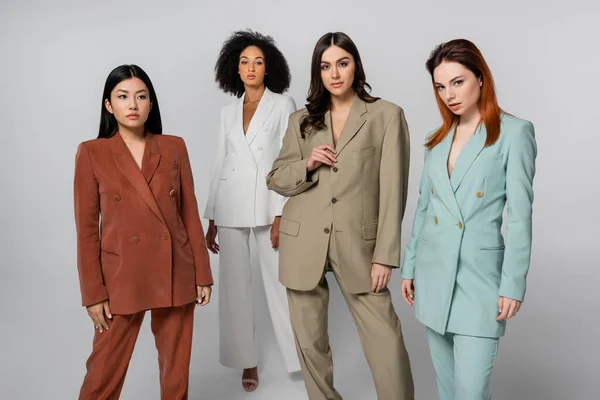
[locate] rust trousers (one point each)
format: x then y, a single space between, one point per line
107 365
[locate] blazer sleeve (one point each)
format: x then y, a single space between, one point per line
520 170
393 185
192 223
408 266
289 176
288 109
87 219
209 210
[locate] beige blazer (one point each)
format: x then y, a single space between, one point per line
361 199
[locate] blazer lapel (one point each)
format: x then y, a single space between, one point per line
151 157
467 155
263 110
353 124
238 129
326 135
138 178
439 170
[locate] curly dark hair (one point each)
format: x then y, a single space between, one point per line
278 76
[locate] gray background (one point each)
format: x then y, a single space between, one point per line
56 56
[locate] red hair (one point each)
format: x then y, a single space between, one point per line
466 53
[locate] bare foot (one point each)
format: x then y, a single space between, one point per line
250 379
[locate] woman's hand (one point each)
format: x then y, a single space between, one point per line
408 291
275 232
203 295
97 313
211 237
507 308
322 154
380 277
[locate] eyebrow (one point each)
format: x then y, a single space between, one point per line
256 58
341 59
452 80
125 91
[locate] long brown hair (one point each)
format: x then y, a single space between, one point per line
319 99
466 53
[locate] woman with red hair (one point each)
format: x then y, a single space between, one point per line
463 277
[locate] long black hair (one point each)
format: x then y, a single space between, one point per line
108 122
278 75
319 99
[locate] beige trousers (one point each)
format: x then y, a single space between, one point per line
379 330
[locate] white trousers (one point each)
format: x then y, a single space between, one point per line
238 345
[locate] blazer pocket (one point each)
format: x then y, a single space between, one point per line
113 252
289 227
491 247
369 231
167 166
369 151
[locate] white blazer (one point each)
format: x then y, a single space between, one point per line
238 196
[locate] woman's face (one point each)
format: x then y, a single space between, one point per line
457 87
130 103
252 67
337 71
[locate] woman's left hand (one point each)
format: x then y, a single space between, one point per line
507 308
275 232
380 277
203 295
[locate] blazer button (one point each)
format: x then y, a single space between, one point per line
479 193
431 190
172 193
460 225
165 236
260 148
135 239
435 220
334 200
265 129
299 181
117 197
335 169
326 230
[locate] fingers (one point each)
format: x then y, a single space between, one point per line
380 277
374 279
321 159
326 147
107 310
408 292
511 309
102 324
203 297
518 307
503 309
94 320
323 156
275 240
211 244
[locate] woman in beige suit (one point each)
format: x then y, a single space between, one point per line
344 166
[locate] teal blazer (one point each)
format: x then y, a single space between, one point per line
457 255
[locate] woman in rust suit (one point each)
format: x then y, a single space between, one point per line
140 243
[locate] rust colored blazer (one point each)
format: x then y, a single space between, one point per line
140 241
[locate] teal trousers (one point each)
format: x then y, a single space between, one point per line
463 365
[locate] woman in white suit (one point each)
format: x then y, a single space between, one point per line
252 128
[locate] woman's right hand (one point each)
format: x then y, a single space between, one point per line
211 237
408 291
97 313
322 154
